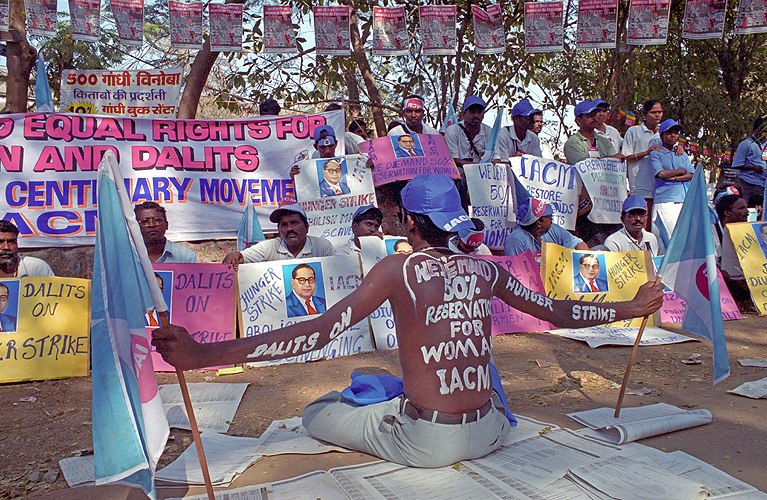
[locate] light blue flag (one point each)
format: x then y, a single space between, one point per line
450 119
43 99
129 424
662 234
249 231
689 268
492 139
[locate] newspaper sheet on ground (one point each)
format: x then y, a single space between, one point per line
289 436
214 404
639 423
755 390
512 488
597 336
762 363
78 471
317 485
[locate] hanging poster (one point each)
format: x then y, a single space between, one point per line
389 31
552 182
648 22
225 27
402 157
331 31
279 33
185 25
41 17
4 15
438 35
86 18
543 27
597 24
752 17
605 181
490 200
489 34
704 19
129 19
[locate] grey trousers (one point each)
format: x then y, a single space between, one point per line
385 431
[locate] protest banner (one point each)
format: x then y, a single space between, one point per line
752 17
438 35
489 33
279 34
402 157
85 16
185 21
750 243
330 190
704 19
4 15
597 24
44 324
552 182
648 22
505 318
673 307
275 294
200 298
389 31
144 93
200 171
41 17
372 250
225 27
331 31
490 200
605 181
595 277
129 19
544 31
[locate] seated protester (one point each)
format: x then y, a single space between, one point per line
413 111
733 209
672 176
351 137
522 140
153 222
293 243
632 236
469 241
716 220
365 222
534 226
13 265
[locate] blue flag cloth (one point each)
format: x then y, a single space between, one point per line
249 231
129 424
43 99
492 139
662 234
450 119
689 268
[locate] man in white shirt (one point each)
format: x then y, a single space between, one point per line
607 130
365 222
632 236
523 140
413 111
13 265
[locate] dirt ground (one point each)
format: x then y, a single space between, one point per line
35 435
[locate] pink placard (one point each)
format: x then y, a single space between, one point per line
402 157
200 298
505 318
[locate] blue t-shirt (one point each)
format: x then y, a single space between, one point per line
520 240
750 153
669 191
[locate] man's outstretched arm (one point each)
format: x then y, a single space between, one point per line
179 349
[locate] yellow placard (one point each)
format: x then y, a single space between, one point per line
751 248
595 276
45 328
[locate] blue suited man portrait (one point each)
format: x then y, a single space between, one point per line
406 147
334 183
301 301
587 280
762 240
7 321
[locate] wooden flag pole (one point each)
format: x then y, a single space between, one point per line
192 420
631 362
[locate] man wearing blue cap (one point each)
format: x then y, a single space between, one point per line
672 176
441 304
632 236
365 222
586 143
523 139
324 145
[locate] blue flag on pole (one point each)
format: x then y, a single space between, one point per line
129 424
43 99
492 139
249 231
450 119
689 268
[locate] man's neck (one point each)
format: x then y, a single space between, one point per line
601 127
588 134
417 128
521 133
155 249
420 244
471 130
295 250
637 236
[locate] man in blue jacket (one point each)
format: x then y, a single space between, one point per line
301 301
588 280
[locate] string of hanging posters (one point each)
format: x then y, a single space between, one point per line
597 27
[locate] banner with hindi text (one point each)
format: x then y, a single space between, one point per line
704 19
85 16
752 17
185 19
226 27
279 33
389 31
544 31
41 17
438 29
129 19
332 33
489 33
648 22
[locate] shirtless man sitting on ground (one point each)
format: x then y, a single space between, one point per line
441 306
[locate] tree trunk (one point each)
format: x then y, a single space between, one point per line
195 82
353 107
20 59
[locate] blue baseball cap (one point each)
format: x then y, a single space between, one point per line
600 103
524 108
435 196
365 209
634 202
471 101
329 133
531 210
667 125
585 107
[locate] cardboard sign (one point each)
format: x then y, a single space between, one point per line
402 157
274 294
605 181
200 298
595 276
45 328
490 200
373 249
550 181
751 248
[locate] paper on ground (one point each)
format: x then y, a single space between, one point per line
512 488
78 471
527 428
289 436
762 363
603 335
214 404
640 422
756 389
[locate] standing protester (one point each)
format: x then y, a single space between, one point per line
751 159
636 148
586 143
413 111
607 130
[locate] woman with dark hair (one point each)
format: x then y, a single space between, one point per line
732 209
636 148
